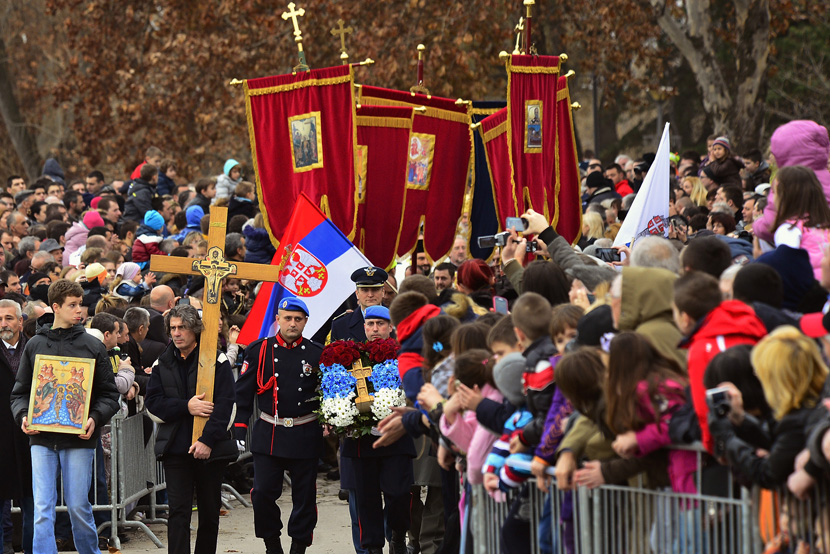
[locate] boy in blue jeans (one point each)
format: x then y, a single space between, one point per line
61 334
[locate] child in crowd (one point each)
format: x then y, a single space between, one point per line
710 326
148 238
803 216
127 279
725 168
233 301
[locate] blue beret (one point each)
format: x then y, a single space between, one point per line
293 304
376 312
369 277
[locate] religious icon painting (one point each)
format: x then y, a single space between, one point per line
533 126
306 141
419 163
59 401
361 159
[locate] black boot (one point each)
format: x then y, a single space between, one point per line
374 550
297 548
273 545
397 546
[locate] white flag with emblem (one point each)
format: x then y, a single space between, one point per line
649 214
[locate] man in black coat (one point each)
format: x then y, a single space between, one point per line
369 283
173 403
16 461
282 373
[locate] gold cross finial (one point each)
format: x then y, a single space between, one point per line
294 14
361 373
342 31
298 35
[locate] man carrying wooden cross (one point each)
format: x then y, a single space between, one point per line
282 373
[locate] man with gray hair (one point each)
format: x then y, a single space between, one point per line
654 251
15 464
191 466
235 247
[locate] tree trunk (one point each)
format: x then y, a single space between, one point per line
22 139
730 85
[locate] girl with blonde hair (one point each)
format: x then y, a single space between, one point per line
695 190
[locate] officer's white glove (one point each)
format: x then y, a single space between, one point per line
240 445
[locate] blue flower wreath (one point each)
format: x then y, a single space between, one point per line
336 382
385 375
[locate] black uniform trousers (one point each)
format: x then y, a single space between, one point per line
269 473
387 475
184 475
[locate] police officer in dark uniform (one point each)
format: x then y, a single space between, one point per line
282 373
369 283
379 475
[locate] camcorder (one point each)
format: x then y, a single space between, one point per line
518 224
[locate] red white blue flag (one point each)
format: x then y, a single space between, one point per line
316 261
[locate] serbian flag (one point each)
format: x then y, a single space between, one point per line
438 162
532 129
316 261
302 135
649 214
484 219
382 146
567 219
493 131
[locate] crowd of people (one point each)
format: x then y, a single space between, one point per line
519 371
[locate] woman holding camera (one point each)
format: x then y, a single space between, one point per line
792 373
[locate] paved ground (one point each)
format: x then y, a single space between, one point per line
236 530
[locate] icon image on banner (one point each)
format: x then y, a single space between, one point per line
306 141
419 165
533 126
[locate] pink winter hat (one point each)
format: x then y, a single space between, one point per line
93 219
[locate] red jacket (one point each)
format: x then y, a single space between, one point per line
730 324
623 188
145 246
409 335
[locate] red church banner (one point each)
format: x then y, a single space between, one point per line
438 164
382 154
302 132
567 219
532 128
493 130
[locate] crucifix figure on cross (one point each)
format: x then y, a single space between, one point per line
213 268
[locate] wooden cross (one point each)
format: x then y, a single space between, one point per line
342 31
298 35
214 268
364 399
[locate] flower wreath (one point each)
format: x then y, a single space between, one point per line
338 387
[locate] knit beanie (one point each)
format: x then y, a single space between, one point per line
95 271
153 220
128 270
94 202
507 374
723 141
93 219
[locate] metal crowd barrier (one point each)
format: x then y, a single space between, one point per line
613 519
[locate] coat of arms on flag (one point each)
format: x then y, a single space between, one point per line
302 274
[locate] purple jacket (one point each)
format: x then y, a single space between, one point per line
558 414
799 142
75 238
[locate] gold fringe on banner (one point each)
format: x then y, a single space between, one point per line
392 122
298 85
437 113
494 132
534 69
